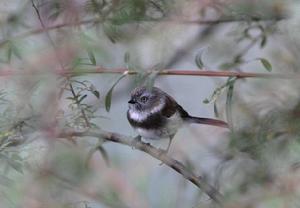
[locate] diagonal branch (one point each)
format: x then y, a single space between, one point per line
154 152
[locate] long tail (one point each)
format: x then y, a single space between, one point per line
207 121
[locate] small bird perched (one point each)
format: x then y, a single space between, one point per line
156 115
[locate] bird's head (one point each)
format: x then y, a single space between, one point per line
146 100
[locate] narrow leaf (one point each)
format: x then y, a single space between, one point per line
108 96
17 166
266 64
227 66
9 54
5 181
104 154
102 151
96 93
127 57
15 51
199 61
91 57
216 110
263 41
205 101
229 103
151 79
82 98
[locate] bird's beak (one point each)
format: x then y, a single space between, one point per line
131 101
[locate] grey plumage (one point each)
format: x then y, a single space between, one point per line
156 115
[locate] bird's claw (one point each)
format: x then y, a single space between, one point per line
136 140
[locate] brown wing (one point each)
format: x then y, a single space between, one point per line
172 107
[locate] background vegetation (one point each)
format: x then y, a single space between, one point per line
67 68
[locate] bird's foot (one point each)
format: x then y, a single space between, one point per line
136 140
163 151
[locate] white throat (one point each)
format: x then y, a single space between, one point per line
143 115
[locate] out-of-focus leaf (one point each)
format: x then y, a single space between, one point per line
93 90
263 41
108 96
14 161
216 110
15 50
112 32
9 54
94 6
229 102
12 50
96 93
127 57
5 181
227 66
205 101
199 61
266 64
91 57
102 151
17 166
82 98
151 78
215 94
70 98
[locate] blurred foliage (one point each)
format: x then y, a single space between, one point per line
259 164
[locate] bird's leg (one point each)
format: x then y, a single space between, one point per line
169 145
170 142
136 139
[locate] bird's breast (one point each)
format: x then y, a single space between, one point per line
155 126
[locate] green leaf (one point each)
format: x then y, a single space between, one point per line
229 102
5 181
263 41
15 50
82 98
91 57
17 166
127 57
96 93
266 64
228 65
217 92
9 54
101 150
70 98
206 101
199 61
151 78
216 110
108 96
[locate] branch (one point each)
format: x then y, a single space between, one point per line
154 152
102 70
174 21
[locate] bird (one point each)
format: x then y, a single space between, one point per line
156 115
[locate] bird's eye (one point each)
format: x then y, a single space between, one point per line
144 99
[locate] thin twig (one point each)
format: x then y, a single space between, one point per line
154 152
100 20
206 73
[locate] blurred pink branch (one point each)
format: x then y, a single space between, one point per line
100 20
102 70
